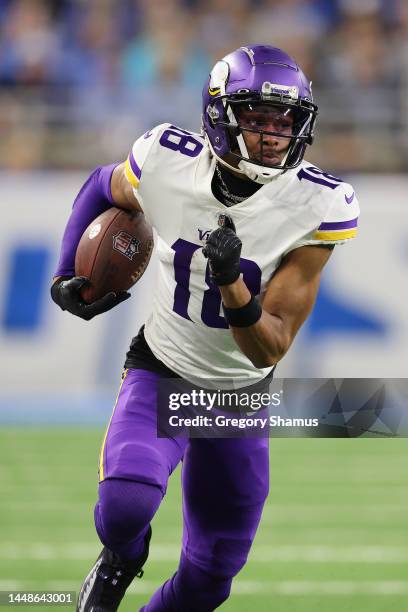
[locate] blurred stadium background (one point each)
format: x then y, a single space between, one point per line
79 81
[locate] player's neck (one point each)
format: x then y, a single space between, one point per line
229 188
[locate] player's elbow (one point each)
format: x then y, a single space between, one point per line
265 361
270 355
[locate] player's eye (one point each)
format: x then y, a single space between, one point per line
273 123
254 121
283 124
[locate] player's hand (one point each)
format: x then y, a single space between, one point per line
67 294
223 249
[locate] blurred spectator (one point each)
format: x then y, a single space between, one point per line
70 69
28 44
399 52
358 53
294 25
91 46
167 51
357 73
222 26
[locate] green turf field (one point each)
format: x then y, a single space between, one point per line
334 535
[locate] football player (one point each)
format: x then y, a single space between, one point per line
233 290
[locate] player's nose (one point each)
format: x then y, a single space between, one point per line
271 139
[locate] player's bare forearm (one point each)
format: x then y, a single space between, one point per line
122 191
265 342
286 304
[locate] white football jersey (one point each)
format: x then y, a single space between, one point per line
171 172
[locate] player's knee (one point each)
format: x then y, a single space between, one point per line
126 507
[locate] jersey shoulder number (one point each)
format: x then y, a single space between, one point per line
166 136
139 153
340 220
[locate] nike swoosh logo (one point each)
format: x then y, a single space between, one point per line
350 199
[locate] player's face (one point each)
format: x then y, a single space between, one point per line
266 148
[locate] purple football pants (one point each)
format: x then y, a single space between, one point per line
225 484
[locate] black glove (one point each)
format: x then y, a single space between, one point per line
223 249
66 293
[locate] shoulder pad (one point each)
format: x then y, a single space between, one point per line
341 219
340 209
139 153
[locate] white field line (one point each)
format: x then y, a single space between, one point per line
41 551
242 587
310 512
272 511
333 587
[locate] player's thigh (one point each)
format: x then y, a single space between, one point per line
131 448
225 485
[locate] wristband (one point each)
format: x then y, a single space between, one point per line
245 315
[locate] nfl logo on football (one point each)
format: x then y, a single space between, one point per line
126 244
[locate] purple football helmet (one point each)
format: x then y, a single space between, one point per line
263 76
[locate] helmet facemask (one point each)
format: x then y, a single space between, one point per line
243 115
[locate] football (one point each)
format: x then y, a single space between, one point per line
113 252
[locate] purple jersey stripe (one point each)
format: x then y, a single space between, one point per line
134 165
339 225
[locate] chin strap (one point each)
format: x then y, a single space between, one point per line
258 174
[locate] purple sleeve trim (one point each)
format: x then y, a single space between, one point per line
338 225
93 199
134 165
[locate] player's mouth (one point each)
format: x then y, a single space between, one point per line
268 155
